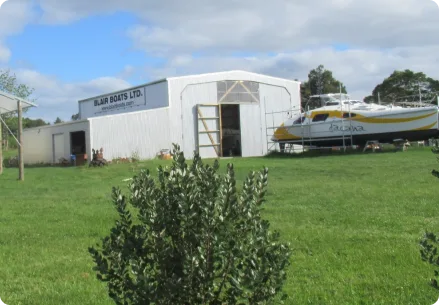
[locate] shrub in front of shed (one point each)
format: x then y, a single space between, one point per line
430 242
194 240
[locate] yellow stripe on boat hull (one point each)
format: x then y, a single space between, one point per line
425 127
282 134
374 120
392 120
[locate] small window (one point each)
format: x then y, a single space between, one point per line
346 115
320 117
299 121
332 103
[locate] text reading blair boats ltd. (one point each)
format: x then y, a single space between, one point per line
120 100
119 97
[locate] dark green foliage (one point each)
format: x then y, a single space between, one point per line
429 245
58 121
429 253
405 85
75 117
195 240
320 81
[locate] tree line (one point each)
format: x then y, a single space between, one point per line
399 86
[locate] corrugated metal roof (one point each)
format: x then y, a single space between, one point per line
232 71
57 125
191 76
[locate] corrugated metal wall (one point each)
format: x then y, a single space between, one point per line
122 135
186 92
38 142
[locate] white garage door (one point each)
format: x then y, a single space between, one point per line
58 147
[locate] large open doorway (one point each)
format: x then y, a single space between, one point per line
78 147
230 130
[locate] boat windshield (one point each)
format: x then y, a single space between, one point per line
331 99
332 103
299 120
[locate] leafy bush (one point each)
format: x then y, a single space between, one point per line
430 242
429 253
195 240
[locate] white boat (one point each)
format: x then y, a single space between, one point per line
339 121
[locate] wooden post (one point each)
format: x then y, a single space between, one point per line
20 143
1 149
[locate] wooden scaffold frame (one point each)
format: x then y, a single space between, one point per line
202 118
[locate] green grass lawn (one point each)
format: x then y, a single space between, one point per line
353 222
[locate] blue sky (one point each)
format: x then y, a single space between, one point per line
77 49
92 47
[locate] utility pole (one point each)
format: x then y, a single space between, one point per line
1 148
20 143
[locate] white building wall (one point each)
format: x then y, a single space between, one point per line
122 135
149 96
38 142
187 91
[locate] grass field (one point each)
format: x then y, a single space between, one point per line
353 222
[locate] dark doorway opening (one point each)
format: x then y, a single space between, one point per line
78 147
231 130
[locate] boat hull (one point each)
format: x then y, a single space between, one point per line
415 125
421 135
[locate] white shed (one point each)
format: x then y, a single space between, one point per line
216 114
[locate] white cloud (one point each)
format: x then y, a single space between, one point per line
14 15
281 26
174 27
384 35
360 70
55 98
5 53
127 72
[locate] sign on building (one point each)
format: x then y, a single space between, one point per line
120 100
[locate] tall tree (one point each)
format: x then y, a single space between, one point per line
405 86
321 81
58 120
